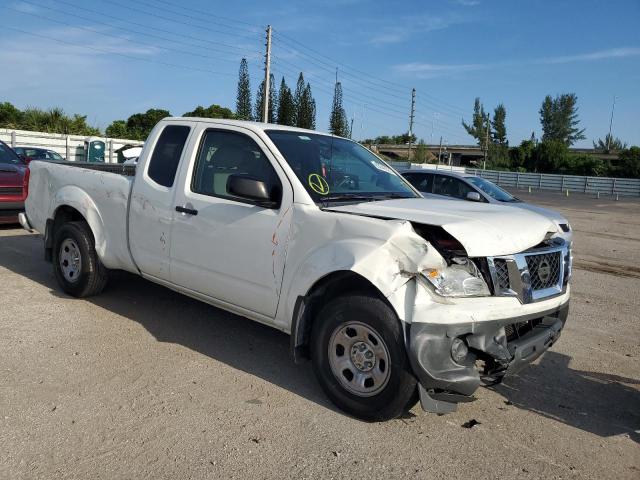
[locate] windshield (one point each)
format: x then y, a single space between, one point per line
333 168
8 156
492 189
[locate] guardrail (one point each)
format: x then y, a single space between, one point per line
627 187
623 187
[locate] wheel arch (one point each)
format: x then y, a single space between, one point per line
74 204
332 285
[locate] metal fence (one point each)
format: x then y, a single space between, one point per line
628 187
623 187
70 147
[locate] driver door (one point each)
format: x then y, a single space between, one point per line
225 247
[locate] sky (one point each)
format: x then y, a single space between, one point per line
108 59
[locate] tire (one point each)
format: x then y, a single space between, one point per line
76 265
342 327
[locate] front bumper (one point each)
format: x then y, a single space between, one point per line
502 346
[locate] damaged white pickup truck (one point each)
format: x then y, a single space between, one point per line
391 296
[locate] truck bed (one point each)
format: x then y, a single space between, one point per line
101 191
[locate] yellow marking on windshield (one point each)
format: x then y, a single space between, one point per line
318 184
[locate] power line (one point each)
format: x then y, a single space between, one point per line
402 88
209 14
119 54
192 17
434 105
391 113
137 42
174 20
141 25
398 112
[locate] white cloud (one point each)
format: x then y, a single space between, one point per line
594 56
78 61
430 70
466 3
407 27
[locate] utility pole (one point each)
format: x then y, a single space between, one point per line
440 150
613 107
486 147
411 115
351 128
267 75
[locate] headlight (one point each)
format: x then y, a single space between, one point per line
461 279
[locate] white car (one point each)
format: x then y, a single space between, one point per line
464 186
390 295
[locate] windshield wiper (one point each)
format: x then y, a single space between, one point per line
346 197
393 195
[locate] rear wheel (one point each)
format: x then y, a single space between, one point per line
76 265
359 357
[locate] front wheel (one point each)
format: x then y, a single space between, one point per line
76 265
359 357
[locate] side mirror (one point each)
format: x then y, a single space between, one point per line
251 189
25 159
474 197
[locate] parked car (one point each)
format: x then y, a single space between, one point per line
37 153
390 295
14 183
463 186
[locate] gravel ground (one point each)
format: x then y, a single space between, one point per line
141 382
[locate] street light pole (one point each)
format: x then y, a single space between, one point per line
613 107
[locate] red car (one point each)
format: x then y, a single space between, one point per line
14 184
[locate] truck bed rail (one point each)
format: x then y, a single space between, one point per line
119 168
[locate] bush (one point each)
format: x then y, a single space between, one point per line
629 163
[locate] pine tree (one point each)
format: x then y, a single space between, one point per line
547 119
481 123
499 133
286 108
559 119
307 110
273 102
338 120
243 97
298 101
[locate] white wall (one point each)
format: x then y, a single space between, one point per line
70 147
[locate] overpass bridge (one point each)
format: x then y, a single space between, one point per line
463 154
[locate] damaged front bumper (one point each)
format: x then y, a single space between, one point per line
451 360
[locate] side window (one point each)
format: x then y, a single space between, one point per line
166 154
421 181
451 187
225 153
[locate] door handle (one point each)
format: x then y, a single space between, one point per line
188 211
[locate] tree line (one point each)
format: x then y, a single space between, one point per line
54 120
296 108
550 154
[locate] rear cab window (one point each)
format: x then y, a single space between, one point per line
165 158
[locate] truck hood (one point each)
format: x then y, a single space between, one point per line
550 214
483 230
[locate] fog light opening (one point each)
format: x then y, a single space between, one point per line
459 350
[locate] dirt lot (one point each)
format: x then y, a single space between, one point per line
141 382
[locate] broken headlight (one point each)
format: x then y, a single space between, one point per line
460 279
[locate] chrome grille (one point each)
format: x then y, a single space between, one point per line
544 270
502 273
533 275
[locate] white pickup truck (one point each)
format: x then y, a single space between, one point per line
393 297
